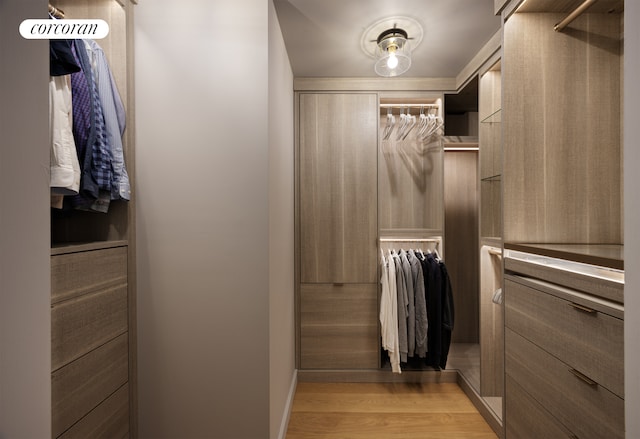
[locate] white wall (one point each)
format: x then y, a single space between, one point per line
281 246
632 216
202 157
25 302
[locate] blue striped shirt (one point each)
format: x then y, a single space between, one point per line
114 120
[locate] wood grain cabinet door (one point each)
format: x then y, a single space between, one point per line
339 326
338 135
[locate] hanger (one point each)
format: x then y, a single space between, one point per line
423 123
434 124
55 12
391 122
403 122
411 122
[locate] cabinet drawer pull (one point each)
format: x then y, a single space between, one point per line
338 284
582 308
583 377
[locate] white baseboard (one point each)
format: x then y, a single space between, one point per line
289 405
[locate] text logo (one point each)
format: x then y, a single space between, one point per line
64 29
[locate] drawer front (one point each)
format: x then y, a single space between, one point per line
82 324
339 326
75 274
526 418
81 386
588 410
109 420
588 340
596 286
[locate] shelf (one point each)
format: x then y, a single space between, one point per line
494 117
496 177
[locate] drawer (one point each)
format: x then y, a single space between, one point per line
81 386
81 324
587 409
526 418
588 340
339 326
109 420
74 274
561 272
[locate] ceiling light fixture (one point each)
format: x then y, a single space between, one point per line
387 42
393 55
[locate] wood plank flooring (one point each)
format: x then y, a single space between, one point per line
384 411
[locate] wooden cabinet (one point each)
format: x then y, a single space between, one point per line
90 341
337 197
491 322
93 297
490 170
562 192
591 340
527 418
337 230
583 406
561 125
339 326
564 357
490 143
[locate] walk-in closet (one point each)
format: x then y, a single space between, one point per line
378 183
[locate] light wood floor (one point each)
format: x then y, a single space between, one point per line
384 411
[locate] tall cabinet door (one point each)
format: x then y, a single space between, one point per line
337 214
338 187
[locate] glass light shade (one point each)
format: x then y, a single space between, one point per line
393 56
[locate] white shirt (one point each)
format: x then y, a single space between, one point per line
65 169
389 313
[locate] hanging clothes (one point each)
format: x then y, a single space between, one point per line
424 312
389 329
98 126
114 119
420 304
411 304
389 312
403 304
64 165
84 125
433 287
65 169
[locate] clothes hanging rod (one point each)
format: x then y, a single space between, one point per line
575 14
410 240
409 105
